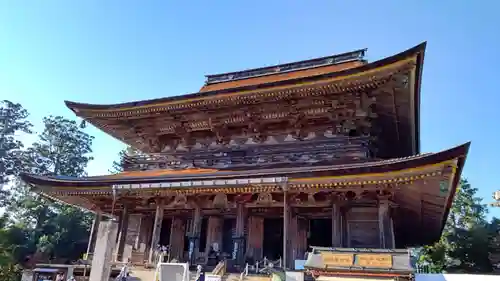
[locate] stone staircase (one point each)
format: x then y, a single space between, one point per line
146 274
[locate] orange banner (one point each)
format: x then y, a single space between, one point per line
331 259
383 261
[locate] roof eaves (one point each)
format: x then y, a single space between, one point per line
77 107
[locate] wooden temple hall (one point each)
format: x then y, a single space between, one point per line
268 162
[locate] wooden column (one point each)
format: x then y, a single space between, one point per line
385 224
287 232
301 240
194 237
293 230
239 238
344 227
336 225
155 237
177 235
123 233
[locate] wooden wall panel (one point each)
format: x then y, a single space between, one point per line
255 237
145 234
214 232
363 227
177 236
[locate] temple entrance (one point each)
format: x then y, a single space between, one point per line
166 228
320 233
273 239
203 235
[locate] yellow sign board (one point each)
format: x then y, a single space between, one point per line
332 259
365 260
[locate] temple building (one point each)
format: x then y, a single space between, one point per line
269 162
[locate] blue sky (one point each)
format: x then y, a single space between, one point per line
115 51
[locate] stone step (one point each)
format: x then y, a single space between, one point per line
142 274
257 278
149 274
236 277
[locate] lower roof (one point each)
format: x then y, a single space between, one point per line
425 186
166 175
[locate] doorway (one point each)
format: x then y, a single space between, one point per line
203 235
273 238
166 226
228 230
320 233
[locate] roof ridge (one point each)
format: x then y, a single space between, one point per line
356 55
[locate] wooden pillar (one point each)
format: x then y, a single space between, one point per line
119 225
301 240
287 235
385 225
344 228
123 233
293 229
239 238
177 235
336 225
194 237
255 237
155 237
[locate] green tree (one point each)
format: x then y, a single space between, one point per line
12 123
465 243
117 166
9 270
55 231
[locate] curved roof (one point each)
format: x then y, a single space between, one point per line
418 50
149 124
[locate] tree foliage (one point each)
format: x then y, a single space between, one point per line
466 242
37 229
13 122
117 166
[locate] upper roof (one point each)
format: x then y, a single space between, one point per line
144 124
81 108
